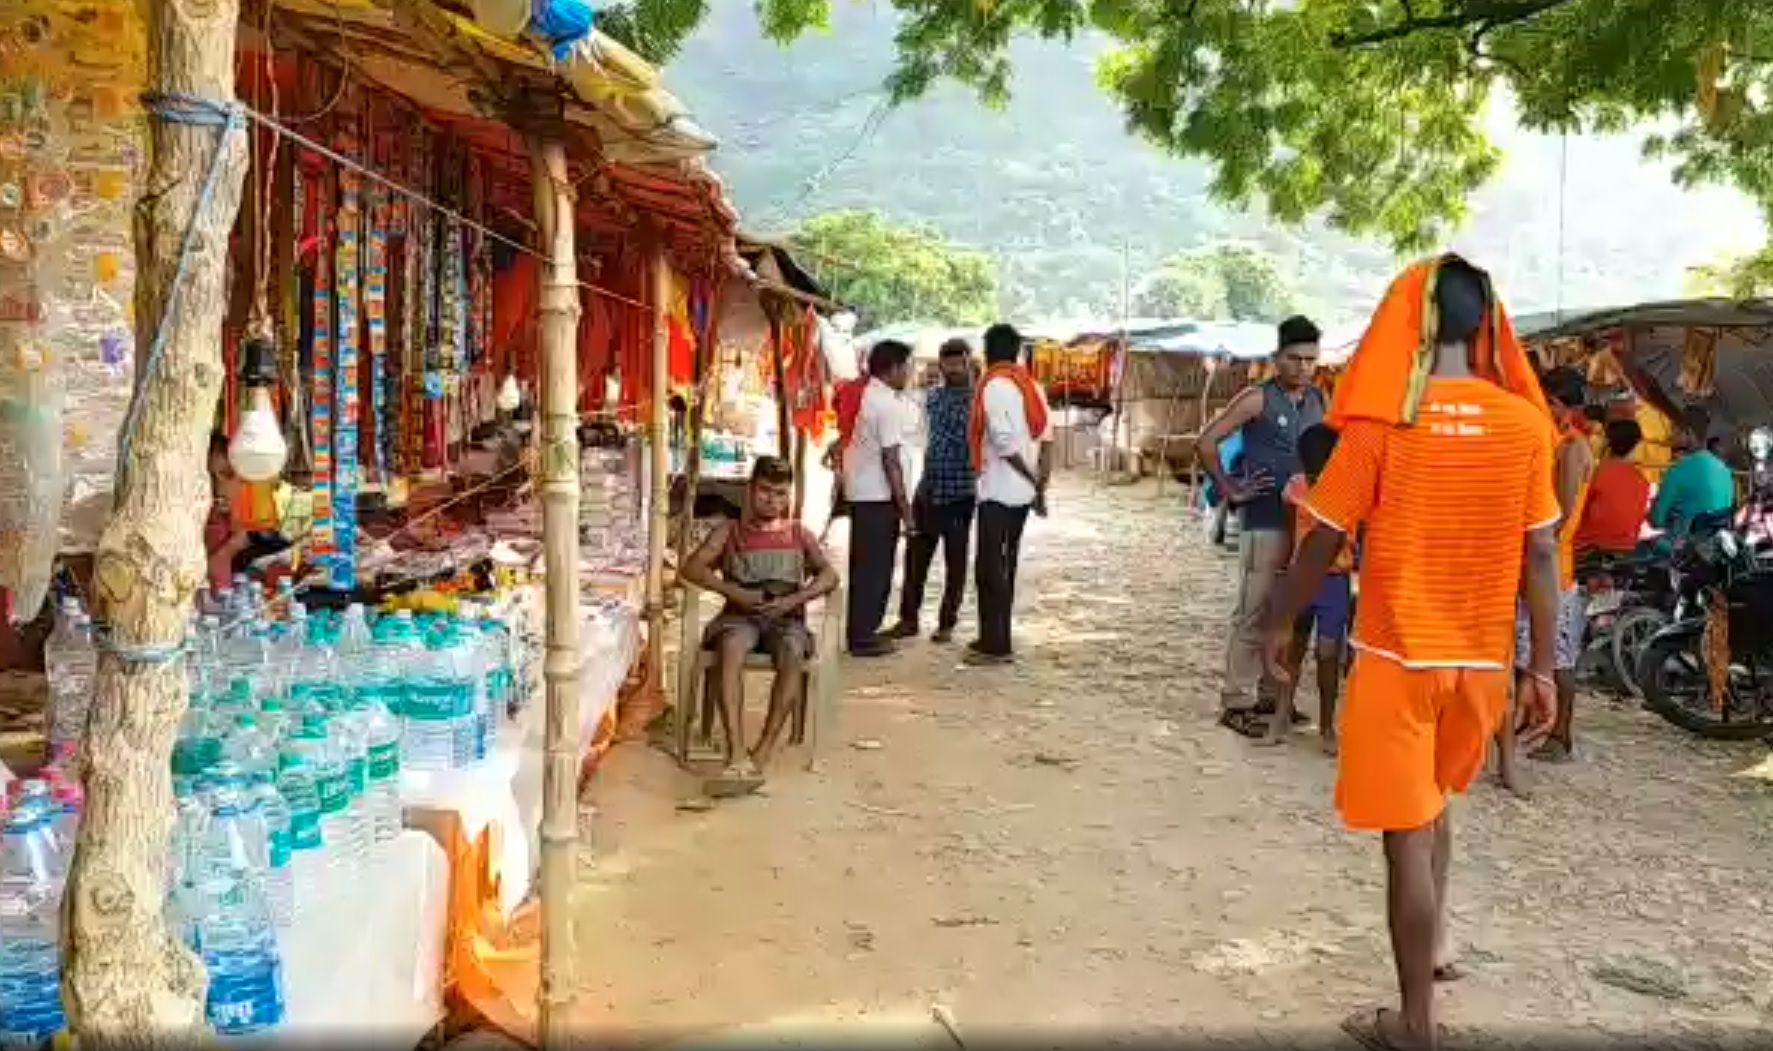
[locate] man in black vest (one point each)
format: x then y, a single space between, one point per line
1271 416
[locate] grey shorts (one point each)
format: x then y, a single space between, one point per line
768 634
1572 622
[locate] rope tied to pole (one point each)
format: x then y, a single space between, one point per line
176 108
228 118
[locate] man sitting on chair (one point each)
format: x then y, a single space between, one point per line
769 567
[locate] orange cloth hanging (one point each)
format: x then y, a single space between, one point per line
1385 378
597 347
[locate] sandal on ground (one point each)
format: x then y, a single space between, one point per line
732 783
1246 722
1552 751
1378 1029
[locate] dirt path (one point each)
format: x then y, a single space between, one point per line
1072 842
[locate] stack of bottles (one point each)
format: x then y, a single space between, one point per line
289 761
286 778
37 824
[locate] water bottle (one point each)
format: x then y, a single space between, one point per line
69 800
199 742
470 656
298 783
234 930
438 730
70 664
190 817
250 746
30 932
279 878
349 736
501 679
332 782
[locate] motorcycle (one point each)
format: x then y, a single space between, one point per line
1724 600
1630 599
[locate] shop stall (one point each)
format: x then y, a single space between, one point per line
392 429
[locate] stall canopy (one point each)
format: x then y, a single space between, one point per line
1714 353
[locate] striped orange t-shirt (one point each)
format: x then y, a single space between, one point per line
1447 504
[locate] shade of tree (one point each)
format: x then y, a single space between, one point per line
888 273
1226 282
1370 112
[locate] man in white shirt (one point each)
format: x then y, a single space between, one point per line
1013 452
874 482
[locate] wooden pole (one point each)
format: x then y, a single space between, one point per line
783 425
660 452
560 539
127 981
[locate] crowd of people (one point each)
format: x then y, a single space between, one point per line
1447 459
987 461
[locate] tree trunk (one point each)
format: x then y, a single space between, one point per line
127 981
560 537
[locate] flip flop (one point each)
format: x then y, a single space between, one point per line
731 784
1552 752
1367 1028
1245 722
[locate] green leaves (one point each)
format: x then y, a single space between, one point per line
1368 112
891 273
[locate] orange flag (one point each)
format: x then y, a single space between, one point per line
1388 373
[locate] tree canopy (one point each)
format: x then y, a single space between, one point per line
1225 282
889 273
1369 112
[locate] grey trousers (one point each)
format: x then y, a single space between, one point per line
1261 558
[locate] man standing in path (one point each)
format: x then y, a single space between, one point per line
1270 417
1566 393
945 496
875 485
1010 435
1445 457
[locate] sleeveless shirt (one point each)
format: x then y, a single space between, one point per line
1271 444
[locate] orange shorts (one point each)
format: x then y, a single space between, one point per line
1409 737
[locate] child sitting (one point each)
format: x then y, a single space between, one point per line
768 567
1330 612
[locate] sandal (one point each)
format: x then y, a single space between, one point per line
1552 751
732 783
1244 721
1373 1030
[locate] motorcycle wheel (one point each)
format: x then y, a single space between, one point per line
1625 644
1671 672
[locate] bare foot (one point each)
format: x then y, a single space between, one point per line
1328 744
1511 779
1383 1029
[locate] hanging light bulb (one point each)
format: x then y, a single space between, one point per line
258 450
510 397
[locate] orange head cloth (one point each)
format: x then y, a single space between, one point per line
1389 371
1032 403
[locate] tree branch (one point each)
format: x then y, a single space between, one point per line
1487 13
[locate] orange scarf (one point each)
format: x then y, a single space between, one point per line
1032 403
1387 375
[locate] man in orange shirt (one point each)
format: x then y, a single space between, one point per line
1436 424
1573 466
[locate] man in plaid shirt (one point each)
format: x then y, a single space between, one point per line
943 505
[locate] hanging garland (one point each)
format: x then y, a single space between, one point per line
347 457
375 304
323 366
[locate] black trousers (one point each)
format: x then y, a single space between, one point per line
951 526
874 548
1000 547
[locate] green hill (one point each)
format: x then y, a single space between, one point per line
1061 195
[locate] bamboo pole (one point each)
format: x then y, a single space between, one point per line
660 463
127 981
560 533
